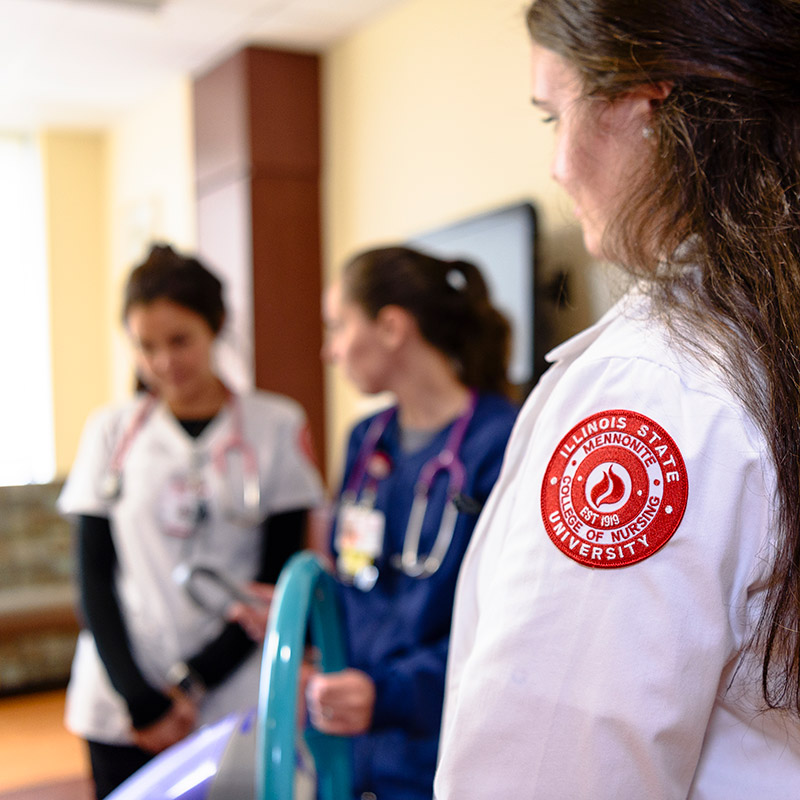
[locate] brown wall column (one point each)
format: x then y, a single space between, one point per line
257 146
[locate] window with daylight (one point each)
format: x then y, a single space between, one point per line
27 445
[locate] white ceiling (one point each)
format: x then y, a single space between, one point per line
83 62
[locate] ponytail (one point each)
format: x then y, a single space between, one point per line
483 347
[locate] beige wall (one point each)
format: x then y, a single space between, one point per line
108 194
150 198
428 119
76 219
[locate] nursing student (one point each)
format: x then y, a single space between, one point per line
184 485
627 622
415 479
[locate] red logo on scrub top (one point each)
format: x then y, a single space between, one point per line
306 443
615 490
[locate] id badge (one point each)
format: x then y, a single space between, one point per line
183 506
359 539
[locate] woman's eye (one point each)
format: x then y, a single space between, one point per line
549 119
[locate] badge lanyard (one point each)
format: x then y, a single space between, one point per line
361 541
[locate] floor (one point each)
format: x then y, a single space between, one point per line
35 747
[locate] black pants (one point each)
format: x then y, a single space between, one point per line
112 764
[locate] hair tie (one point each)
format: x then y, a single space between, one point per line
456 279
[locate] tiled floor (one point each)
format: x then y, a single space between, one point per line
35 747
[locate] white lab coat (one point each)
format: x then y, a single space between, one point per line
163 624
567 682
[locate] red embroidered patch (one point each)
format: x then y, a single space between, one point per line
615 490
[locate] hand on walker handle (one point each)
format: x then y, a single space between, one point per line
253 616
341 703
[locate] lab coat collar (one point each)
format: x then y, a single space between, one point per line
577 344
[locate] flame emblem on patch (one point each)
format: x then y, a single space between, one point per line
610 490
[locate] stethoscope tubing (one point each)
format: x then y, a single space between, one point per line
447 460
112 485
251 484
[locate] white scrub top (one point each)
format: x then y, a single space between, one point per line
164 626
610 588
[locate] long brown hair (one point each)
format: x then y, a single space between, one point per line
726 188
449 301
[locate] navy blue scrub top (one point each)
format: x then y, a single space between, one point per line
398 632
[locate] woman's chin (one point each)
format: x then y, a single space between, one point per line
597 246
593 245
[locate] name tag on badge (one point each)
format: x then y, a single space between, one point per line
183 506
359 538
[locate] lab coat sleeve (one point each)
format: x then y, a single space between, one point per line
293 481
82 491
597 684
97 562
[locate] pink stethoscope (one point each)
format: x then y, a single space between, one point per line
248 514
206 586
447 460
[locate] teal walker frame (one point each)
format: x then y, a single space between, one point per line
305 596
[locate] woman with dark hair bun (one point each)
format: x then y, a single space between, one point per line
415 478
182 483
627 623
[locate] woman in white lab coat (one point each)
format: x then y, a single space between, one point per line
184 475
627 620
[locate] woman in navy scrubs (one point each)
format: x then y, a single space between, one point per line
415 478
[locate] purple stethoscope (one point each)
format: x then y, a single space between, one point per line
410 561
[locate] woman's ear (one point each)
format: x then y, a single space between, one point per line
649 96
639 104
394 325
656 93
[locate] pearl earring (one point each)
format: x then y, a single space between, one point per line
647 132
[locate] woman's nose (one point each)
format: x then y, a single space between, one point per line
160 361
